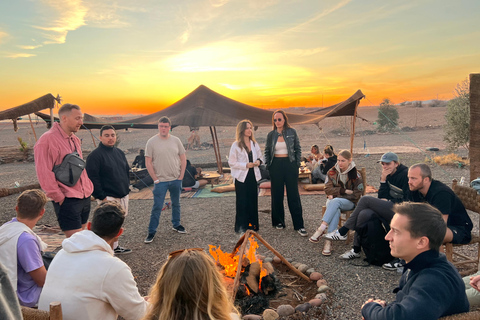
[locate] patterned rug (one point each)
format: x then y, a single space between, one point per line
52 236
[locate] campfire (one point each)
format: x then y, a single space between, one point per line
254 280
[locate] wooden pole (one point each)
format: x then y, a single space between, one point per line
93 139
219 160
236 282
52 119
214 144
474 149
275 252
33 129
352 132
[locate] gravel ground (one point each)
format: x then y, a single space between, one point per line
210 221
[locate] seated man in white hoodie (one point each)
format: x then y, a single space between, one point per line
85 276
20 248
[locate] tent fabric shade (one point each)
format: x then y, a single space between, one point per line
204 107
44 102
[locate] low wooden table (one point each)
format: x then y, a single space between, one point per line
211 176
305 174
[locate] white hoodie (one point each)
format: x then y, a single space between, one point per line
90 282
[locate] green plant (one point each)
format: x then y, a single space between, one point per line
387 116
457 116
23 144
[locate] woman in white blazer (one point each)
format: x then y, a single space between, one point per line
244 159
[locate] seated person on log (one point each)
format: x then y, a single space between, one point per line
430 286
189 286
86 277
393 189
343 187
329 160
21 249
191 176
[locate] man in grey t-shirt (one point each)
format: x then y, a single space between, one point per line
166 161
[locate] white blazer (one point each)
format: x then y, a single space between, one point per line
238 159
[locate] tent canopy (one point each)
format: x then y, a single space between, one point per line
47 101
205 107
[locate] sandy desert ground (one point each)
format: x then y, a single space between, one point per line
210 220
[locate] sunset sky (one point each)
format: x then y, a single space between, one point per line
129 56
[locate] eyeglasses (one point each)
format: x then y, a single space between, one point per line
177 252
277 120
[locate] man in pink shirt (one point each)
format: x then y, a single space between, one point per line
71 204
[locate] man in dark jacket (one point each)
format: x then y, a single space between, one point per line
108 169
393 189
430 286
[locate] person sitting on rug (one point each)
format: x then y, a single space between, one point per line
430 286
393 189
314 158
343 187
139 161
20 248
191 176
329 160
189 286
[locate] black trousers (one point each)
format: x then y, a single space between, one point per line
285 173
246 203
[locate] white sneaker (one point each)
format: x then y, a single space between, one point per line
335 235
350 254
133 189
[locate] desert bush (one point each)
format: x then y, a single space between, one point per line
437 103
451 159
457 116
387 116
418 104
23 144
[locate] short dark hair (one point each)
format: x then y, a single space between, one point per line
425 170
106 127
66 108
165 119
30 203
107 219
424 221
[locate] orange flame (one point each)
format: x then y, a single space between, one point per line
230 263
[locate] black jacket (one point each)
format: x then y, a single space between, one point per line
390 189
327 165
293 146
429 288
108 169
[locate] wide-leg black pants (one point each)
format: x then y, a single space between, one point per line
246 203
285 173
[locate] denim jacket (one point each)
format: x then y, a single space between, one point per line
293 146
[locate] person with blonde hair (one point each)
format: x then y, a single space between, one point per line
244 160
189 286
343 187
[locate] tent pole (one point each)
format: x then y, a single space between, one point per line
352 131
219 161
214 145
51 114
33 129
93 139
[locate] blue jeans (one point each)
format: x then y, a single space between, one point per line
159 192
334 208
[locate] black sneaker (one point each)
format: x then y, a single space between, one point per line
302 232
120 250
280 226
149 238
393 265
179 229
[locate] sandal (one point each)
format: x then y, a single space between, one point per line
327 248
316 237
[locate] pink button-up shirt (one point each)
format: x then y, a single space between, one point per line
49 151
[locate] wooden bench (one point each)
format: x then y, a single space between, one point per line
471 200
55 312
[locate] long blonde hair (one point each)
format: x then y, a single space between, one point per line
241 127
189 286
